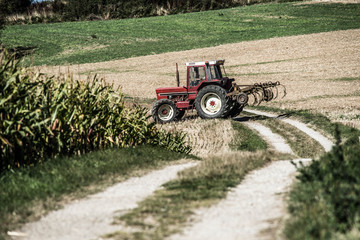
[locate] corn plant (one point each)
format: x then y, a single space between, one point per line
43 117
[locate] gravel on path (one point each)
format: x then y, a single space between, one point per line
253 210
324 141
275 140
92 217
256 207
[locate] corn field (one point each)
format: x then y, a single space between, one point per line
44 117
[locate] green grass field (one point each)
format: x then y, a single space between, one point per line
87 42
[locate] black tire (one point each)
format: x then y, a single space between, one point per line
242 99
212 102
235 110
164 111
180 114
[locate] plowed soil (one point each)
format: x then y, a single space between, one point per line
321 71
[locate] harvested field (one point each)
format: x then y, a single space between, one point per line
207 137
321 71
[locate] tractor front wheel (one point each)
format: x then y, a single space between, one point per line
211 102
164 111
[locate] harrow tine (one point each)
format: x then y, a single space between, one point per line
277 92
271 93
284 90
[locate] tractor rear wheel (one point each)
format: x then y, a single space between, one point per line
164 111
212 102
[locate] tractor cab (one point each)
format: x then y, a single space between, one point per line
199 74
202 72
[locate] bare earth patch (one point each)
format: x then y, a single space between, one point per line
306 64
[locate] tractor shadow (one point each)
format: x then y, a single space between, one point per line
244 117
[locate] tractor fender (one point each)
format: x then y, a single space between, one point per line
205 84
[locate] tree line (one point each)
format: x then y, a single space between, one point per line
74 10
31 11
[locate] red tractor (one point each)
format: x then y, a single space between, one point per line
210 92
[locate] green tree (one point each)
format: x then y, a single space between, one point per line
2 17
15 6
78 9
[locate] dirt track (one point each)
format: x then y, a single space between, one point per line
244 214
92 216
256 208
321 71
253 210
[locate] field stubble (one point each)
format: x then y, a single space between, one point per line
206 137
309 66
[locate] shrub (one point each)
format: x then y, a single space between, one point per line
327 199
43 117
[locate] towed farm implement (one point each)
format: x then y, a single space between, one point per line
211 93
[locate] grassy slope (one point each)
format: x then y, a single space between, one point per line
82 42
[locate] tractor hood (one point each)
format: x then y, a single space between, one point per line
170 91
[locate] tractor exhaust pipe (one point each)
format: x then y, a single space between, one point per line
177 76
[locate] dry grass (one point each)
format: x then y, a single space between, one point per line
207 137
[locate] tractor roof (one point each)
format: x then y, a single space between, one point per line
213 62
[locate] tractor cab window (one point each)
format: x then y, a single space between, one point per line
215 72
196 75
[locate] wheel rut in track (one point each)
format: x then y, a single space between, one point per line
92 217
256 208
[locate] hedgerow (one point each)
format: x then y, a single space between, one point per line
44 117
325 204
